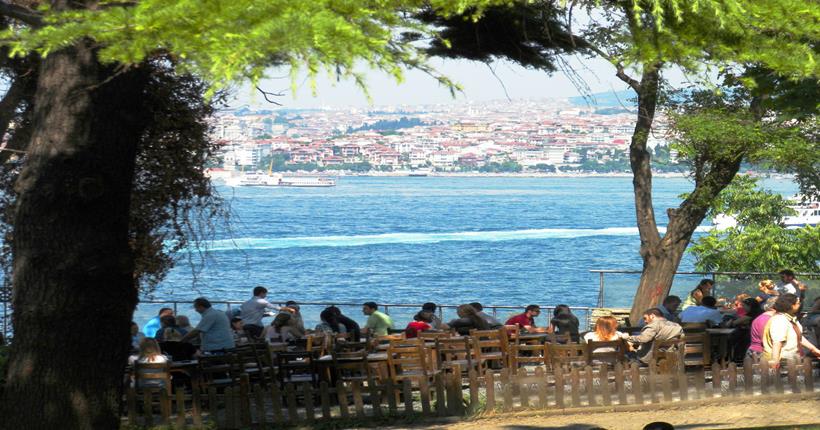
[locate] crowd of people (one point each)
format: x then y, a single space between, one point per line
768 325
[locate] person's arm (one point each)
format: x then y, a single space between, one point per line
776 347
808 345
191 334
647 335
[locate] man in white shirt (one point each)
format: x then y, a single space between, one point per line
791 285
702 313
252 312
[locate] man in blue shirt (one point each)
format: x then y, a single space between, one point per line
214 327
153 325
706 312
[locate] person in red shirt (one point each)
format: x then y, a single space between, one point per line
527 319
421 322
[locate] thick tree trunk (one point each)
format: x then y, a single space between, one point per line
661 255
74 289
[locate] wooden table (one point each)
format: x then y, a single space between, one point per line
722 336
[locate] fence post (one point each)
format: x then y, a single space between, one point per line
407 393
276 403
489 387
213 404
180 401
261 413
652 382
778 381
542 388
808 374
310 413
559 387
131 399
196 406
732 370
683 383
424 387
764 376
575 387
441 405
473 377
147 407
590 387
341 394
506 389
603 377
637 390
358 403
290 398
748 376
324 395
244 400
455 398
390 393
229 408
523 388
620 386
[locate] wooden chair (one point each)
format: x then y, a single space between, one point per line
606 352
457 352
253 361
432 336
296 367
152 375
667 355
567 355
409 361
351 365
513 331
560 338
693 327
491 346
219 370
529 354
698 349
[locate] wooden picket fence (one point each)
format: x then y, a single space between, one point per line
449 394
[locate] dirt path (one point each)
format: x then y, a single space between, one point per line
749 414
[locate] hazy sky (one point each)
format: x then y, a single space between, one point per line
418 88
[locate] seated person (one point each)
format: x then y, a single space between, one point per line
422 321
767 290
526 320
467 320
436 321
706 312
239 335
563 322
169 330
669 309
295 311
281 329
656 327
349 324
149 352
605 331
378 323
491 321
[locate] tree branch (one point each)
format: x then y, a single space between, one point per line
620 70
268 94
16 94
22 14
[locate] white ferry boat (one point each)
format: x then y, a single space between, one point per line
806 214
260 179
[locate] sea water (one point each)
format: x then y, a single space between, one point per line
495 240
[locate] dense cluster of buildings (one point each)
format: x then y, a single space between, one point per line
528 134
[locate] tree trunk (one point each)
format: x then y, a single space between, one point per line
73 284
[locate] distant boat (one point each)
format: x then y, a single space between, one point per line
419 173
806 214
261 179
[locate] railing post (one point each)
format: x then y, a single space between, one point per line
601 289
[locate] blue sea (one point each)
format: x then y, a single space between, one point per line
496 240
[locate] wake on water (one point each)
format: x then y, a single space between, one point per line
259 243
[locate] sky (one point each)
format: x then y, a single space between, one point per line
476 78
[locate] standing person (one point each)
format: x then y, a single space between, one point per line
757 328
694 298
563 322
791 285
467 320
252 311
214 327
656 328
435 320
378 323
490 320
170 331
153 325
783 336
525 320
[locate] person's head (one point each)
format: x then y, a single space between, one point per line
466 311
293 305
334 310
429 307
369 307
532 311
281 320
134 328
561 310
769 304
605 327
766 286
787 304
165 311
149 348
659 425
477 306
260 292
167 321
709 302
786 275
183 321
652 314
424 316
329 317
671 303
237 324
705 285
752 307
201 304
